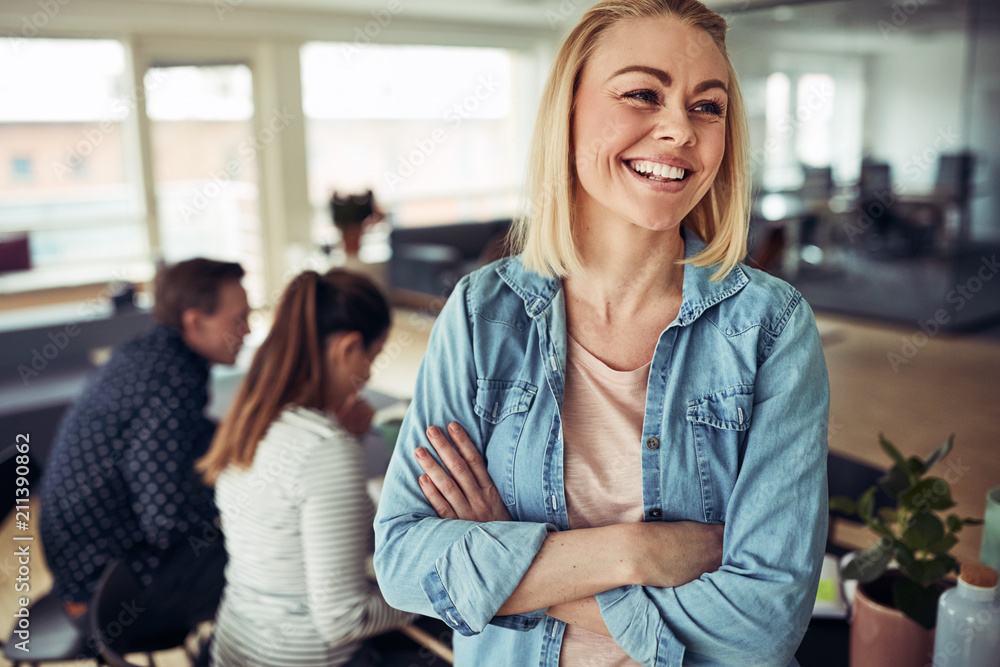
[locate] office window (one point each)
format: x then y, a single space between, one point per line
814 116
20 168
204 151
431 130
781 170
816 94
65 103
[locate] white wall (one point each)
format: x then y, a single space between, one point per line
913 91
914 110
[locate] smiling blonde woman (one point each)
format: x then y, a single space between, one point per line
634 469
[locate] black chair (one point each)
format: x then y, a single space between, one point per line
55 636
954 177
115 617
850 477
875 200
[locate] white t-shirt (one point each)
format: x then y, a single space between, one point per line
602 470
298 527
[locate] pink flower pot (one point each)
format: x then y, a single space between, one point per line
882 636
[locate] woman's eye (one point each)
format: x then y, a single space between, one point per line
643 96
711 108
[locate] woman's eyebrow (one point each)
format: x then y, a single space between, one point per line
667 81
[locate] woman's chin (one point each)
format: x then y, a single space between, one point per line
658 223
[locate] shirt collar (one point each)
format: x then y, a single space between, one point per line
699 291
168 337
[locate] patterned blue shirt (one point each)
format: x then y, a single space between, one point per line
120 482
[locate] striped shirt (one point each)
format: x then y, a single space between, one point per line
298 527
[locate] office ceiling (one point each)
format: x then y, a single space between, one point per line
929 15
886 18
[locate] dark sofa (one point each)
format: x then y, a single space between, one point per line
430 260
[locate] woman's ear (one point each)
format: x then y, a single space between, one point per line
354 345
345 347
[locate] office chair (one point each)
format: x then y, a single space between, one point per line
113 613
55 636
954 177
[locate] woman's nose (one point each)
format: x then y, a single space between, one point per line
674 124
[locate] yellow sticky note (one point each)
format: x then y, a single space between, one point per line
827 591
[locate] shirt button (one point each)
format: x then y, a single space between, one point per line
655 513
652 443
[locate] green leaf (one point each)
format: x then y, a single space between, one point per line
869 564
943 545
890 449
866 504
924 529
926 572
895 480
887 514
880 528
917 602
954 523
915 467
843 504
904 555
942 451
932 493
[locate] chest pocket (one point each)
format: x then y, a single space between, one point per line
719 422
503 406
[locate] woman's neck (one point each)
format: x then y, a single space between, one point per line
626 268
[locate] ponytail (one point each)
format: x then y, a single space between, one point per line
289 367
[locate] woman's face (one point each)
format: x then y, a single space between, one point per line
349 363
649 122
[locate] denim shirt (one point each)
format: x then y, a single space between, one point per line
734 433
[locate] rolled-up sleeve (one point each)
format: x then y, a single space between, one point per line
753 610
459 571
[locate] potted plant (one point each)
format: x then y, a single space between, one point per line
901 577
351 214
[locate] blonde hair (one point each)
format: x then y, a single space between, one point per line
543 233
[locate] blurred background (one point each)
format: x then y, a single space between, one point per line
146 131
133 132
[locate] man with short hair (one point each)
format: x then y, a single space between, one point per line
120 482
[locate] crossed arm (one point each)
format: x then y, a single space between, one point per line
572 566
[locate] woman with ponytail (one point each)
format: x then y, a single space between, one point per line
290 484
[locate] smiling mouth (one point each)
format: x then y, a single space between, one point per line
656 171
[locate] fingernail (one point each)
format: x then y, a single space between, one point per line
453 426
420 452
433 431
424 479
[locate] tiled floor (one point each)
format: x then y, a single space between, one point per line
942 385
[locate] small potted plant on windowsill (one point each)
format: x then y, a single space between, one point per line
352 213
901 577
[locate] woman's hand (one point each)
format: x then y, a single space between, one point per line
468 492
355 415
678 552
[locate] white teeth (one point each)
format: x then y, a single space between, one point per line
657 169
